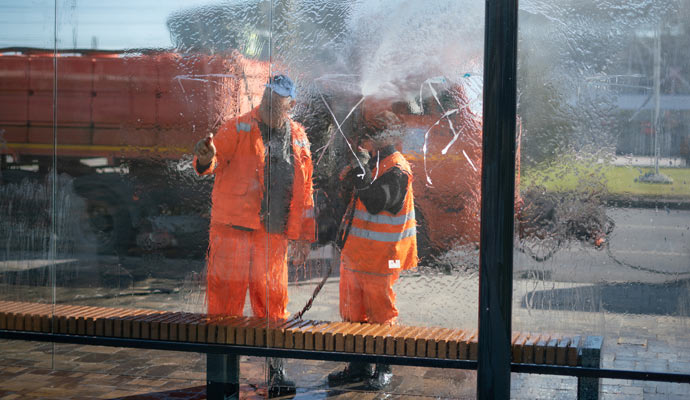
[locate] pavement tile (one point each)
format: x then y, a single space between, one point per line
620 364
13 370
681 367
649 389
148 382
655 365
93 358
632 390
201 376
658 396
636 341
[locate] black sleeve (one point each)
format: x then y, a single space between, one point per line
386 193
201 168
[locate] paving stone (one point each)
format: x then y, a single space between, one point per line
654 365
636 341
618 396
626 357
682 367
618 364
93 358
160 370
632 390
658 396
679 388
649 389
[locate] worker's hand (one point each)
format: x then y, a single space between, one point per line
362 155
205 150
298 250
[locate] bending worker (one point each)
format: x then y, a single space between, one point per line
379 238
262 209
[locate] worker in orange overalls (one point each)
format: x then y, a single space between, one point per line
262 210
379 234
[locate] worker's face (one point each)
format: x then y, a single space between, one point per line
275 108
367 144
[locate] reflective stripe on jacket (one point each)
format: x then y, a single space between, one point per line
384 242
239 182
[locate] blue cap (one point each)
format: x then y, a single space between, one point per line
282 85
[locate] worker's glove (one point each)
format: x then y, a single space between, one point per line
298 250
205 150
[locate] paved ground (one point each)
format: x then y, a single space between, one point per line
40 370
640 342
635 338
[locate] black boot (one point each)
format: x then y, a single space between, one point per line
382 377
278 384
353 372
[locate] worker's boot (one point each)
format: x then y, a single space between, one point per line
353 372
278 384
382 377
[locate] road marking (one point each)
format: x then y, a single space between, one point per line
654 227
652 253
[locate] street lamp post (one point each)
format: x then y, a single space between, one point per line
656 176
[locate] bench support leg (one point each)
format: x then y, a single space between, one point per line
590 356
222 376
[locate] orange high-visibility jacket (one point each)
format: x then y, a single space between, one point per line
239 184
384 243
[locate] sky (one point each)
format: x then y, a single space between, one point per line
115 25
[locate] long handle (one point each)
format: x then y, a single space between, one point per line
345 225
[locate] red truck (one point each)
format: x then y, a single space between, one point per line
119 121
123 122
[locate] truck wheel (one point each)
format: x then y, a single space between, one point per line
104 225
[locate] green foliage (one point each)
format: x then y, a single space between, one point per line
570 174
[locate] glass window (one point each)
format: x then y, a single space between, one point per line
220 160
602 226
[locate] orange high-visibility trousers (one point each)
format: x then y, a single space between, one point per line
239 260
366 296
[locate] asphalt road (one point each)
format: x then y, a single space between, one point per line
647 246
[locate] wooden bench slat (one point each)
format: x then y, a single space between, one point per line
562 350
343 336
518 346
540 348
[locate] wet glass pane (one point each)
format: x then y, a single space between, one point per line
27 178
364 208
603 222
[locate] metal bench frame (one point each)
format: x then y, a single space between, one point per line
223 360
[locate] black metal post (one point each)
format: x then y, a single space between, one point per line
222 376
498 188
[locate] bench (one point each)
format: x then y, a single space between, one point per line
225 338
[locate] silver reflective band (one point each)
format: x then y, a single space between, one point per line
301 143
384 219
382 236
243 126
309 213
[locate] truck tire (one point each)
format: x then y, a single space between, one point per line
105 225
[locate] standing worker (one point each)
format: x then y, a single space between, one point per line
262 211
379 237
